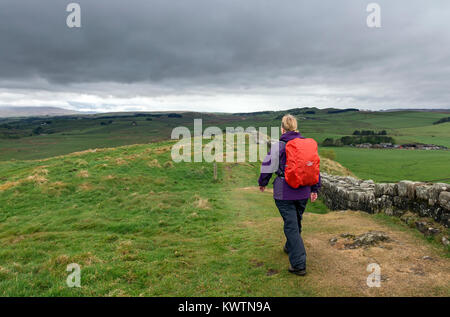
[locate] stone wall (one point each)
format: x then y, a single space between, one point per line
424 199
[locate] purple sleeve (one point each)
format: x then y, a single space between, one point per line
315 188
264 178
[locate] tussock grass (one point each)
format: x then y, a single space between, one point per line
162 149
86 186
81 163
54 188
83 174
202 203
334 168
8 185
154 163
168 164
120 161
41 170
38 179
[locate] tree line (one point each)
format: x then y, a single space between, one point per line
443 120
369 132
359 139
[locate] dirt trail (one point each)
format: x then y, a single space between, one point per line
409 265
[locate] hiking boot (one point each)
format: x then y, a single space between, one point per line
285 250
300 272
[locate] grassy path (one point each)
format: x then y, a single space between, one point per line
332 271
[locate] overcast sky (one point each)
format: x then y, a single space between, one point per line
224 55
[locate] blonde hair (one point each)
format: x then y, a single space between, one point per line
289 123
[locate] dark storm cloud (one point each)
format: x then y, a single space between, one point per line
229 46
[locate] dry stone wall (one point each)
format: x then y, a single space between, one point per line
425 199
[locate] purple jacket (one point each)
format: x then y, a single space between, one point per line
281 190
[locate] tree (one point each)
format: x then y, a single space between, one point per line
328 142
38 130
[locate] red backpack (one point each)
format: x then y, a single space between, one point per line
302 163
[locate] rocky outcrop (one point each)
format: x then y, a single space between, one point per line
365 240
424 199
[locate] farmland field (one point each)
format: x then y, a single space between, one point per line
383 165
434 134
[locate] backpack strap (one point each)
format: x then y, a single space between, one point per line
280 171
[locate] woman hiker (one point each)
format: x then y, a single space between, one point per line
289 194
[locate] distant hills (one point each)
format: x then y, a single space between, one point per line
418 110
8 111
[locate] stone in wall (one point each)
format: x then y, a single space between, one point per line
424 199
385 189
444 200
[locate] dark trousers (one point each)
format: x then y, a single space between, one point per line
292 212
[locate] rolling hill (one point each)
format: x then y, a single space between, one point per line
10 111
37 138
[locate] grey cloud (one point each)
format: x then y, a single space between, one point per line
231 46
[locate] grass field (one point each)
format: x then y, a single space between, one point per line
394 165
139 225
433 134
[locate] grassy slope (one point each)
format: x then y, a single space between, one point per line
135 229
142 227
77 135
433 134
